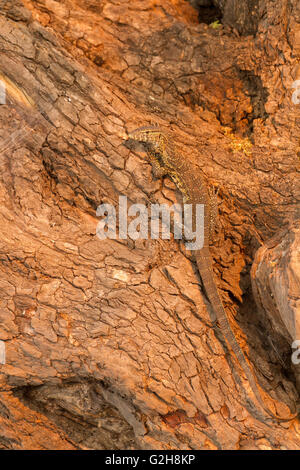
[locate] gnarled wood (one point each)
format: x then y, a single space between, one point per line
109 342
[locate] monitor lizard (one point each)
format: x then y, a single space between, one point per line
167 161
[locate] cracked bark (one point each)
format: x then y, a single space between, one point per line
110 344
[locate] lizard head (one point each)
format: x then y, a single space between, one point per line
147 135
155 141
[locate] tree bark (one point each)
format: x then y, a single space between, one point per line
110 344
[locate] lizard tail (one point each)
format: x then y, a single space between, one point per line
204 263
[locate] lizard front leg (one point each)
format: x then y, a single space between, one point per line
158 170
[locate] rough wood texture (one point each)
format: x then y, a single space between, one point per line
109 343
276 282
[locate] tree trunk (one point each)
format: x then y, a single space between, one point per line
110 344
